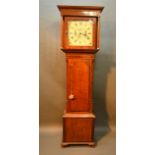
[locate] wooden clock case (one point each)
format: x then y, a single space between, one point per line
78 118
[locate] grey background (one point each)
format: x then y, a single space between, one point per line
53 70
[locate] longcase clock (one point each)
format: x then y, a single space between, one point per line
80 40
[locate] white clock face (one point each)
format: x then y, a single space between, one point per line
80 33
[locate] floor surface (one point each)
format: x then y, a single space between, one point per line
50 144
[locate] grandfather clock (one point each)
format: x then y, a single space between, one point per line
80 40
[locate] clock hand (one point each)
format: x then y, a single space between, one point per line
84 34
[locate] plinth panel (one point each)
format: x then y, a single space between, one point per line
78 127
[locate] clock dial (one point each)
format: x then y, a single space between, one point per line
80 33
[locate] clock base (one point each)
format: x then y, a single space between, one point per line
65 144
78 128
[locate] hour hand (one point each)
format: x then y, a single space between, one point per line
84 34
